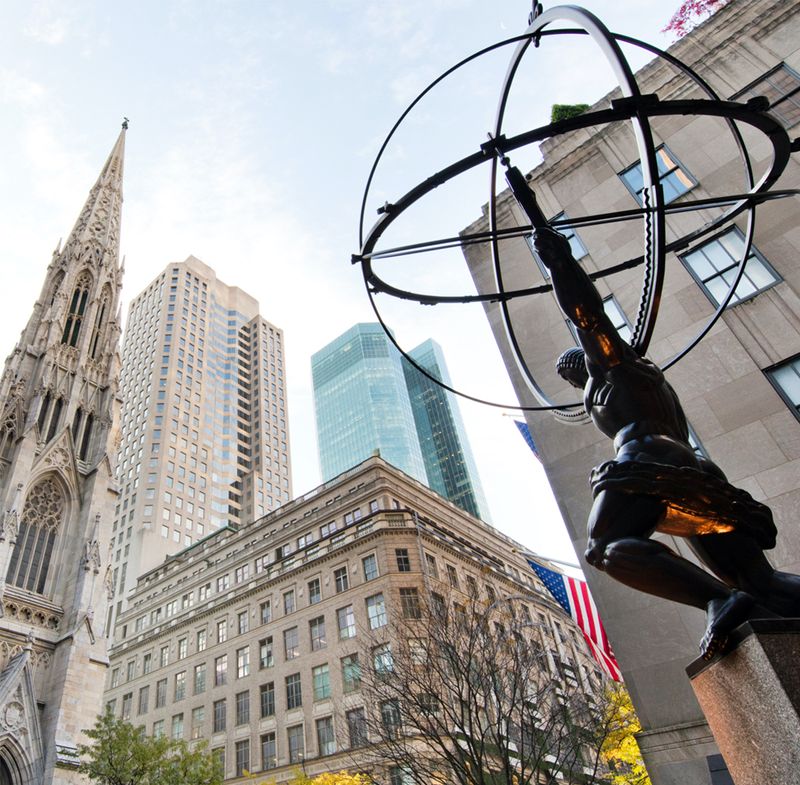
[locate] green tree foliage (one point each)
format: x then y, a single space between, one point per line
619 751
565 111
121 754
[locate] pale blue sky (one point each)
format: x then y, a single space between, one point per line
253 127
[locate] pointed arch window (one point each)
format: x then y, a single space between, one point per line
99 323
77 310
82 433
8 434
42 517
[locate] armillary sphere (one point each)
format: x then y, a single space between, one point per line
633 107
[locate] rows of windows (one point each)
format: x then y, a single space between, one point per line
317 635
241 574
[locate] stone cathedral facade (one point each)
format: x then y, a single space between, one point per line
59 405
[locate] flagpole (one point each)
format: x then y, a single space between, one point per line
538 557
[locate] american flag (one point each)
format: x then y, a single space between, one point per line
574 597
526 434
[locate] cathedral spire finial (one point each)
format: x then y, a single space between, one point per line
125 122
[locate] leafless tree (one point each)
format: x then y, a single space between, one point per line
458 691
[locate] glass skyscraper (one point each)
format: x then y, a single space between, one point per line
367 398
362 405
448 458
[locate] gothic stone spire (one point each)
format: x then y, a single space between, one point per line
59 405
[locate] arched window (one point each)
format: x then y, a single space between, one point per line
99 323
54 418
77 309
82 433
41 519
7 436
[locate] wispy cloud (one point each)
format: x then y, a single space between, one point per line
15 88
47 23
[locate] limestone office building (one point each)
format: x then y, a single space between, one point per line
740 387
253 639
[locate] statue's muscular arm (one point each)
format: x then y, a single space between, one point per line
581 303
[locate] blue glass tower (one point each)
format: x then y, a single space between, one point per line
367 398
362 404
448 458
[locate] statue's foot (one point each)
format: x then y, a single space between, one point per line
724 615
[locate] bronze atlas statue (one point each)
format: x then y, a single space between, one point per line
656 482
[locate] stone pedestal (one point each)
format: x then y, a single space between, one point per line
751 699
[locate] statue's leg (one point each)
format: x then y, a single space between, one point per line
739 561
620 525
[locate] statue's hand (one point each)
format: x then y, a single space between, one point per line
552 247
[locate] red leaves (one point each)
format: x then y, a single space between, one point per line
690 14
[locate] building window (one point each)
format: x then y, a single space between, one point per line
158 729
351 673
201 640
430 566
617 317
77 310
314 591
409 603
340 579
714 265
220 670
180 686
382 661
317 631
673 176
376 611
222 630
294 736
398 775
452 575
198 718
267 698
266 612
199 678
403 562
243 707
291 643
785 378
177 726
294 692
220 715
390 718
370 565
242 757
322 682
41 519
242 662
346 620
144 699
161 693
288 602
242 622
356 727
781 86
326 742
266 657
269 752
183 648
